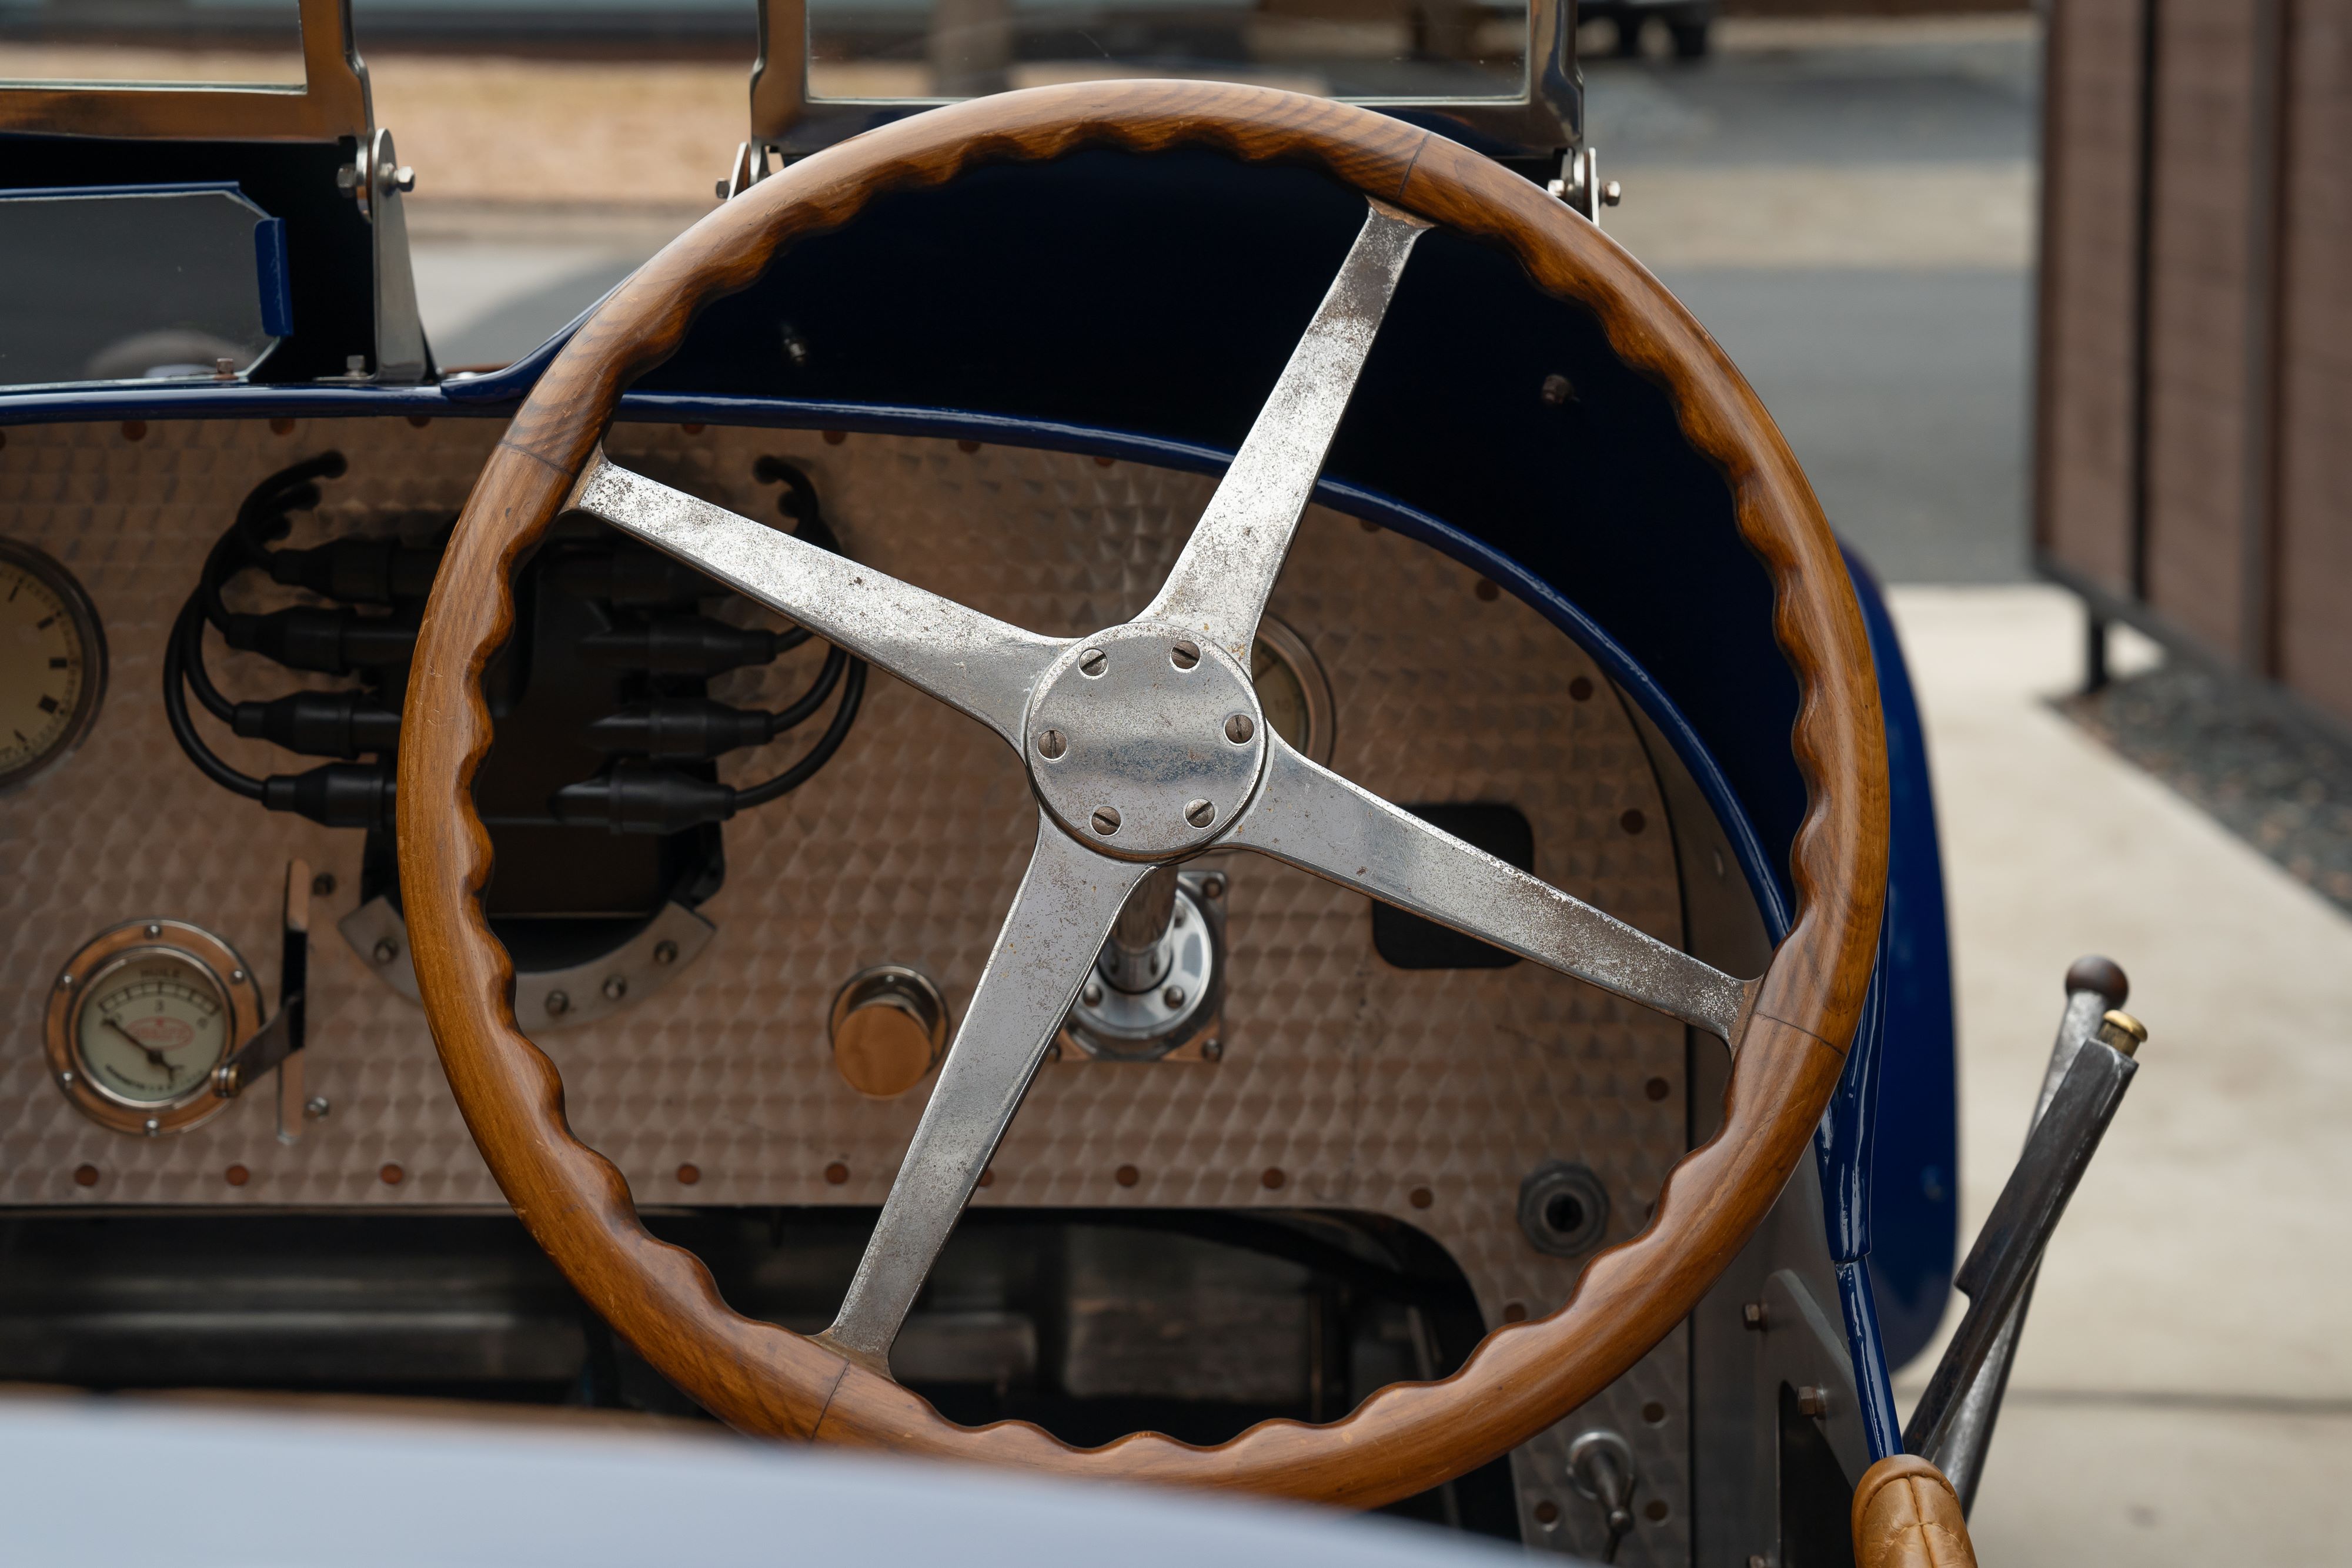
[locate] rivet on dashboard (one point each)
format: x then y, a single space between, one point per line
1514 1311
688 1175
386 950
1487 590
1633 821
237 1175
85 1175
134 430
391 1175
558 1004
1657 1089
665 953
1546 1513
836 1173
836 437
1420 1197
967 446
615 986
1126 1175
1581 689
1272 1178
281 428
1654 1413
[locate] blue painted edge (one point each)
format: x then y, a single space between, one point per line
270 274
76 192
1884 1432
493 395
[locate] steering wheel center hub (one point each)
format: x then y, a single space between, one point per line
1145 741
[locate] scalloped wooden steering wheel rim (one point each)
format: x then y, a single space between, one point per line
766 1380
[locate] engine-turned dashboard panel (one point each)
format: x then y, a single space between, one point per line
1518 1118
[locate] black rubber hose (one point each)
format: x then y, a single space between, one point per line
853 692
806 705
175 708
192 658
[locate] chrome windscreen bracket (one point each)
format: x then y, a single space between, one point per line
378 180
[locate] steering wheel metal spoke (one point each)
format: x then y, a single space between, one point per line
1220 584
1049 942
971 662
1315 820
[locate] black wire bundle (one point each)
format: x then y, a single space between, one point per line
336 640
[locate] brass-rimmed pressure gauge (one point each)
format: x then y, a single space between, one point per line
140 1017
52 663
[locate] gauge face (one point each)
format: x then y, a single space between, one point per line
139 1018
152 1027
1291 689
52 662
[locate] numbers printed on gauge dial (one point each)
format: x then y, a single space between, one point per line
139 1018
152 1027
52 662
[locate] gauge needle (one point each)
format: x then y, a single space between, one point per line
154 1055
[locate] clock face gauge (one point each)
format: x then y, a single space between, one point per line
52 662
140 1016
152 1025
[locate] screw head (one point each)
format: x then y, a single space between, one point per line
153 929
1093 661
1185 655
1212 1050
1558 390
237 977
558 1004
1200 813
1213 886
1239 728
615 986
1092 996
386 950
1051 743
315 1107
153 1126
1173 995
665 953
1106 820
323 884
65 982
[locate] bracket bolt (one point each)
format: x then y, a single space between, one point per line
1105 820
1093 661
1239 728
558 1004
1185 655
1173 995
1051 743
1200 813
386 950
1092 996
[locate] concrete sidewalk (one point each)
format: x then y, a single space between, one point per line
2184 1393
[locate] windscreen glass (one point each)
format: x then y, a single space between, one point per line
168 283
149 42
1388 50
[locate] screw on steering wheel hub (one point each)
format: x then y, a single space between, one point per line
1145 742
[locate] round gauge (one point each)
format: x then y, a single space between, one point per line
1291 689
141 1016
52 662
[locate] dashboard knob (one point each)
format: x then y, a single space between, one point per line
889 1030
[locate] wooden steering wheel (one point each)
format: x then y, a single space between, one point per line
1145 743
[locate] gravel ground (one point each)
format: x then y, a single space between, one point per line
2282 789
